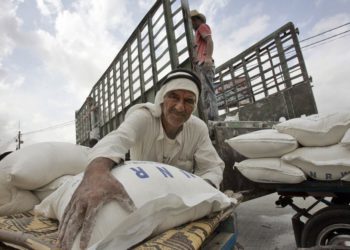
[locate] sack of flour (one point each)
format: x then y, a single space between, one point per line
37 165
267 143
270 170
346 177
12 199
345 142
5 188
321 163
317 130
21 201
165 197
48 189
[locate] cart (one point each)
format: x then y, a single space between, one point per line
217 232
326 228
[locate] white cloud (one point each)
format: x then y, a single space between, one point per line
33 112
327 65
9 25
236 39
10 82
318 3
82 45
211 8
112 14
49 7
69 59
6 83
145 4
255 28
330 22
249 11
8 133
11 38
4 127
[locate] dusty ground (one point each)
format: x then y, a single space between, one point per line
263 226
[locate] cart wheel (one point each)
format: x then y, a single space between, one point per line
328 227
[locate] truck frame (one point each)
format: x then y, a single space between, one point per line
265 82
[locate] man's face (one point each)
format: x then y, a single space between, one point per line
195 22
177 108
89 101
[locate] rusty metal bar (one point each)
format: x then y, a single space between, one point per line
152 54
283 61
170 34
124 74
130 75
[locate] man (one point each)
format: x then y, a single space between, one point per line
204 64
94 120
165 131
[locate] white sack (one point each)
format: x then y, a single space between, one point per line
346 139
321 163
267 143
346 178
5 188
270 170
13 200
21 201
164 196
37 165
317 130
48 189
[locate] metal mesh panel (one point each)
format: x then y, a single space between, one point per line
159 44
270 66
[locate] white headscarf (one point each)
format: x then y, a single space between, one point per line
173 84
176 84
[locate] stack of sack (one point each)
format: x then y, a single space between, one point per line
165 197
45 175
30 174
316 147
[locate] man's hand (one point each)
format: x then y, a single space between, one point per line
97 188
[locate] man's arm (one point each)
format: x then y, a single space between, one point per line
209 53
96 189
99 186
205 33
208 164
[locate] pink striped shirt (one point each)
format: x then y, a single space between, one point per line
201 45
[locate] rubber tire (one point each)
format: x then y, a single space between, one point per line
323 218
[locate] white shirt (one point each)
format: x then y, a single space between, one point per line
143 134
169 145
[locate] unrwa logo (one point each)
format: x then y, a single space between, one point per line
327 176
142 173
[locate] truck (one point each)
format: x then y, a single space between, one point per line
267 81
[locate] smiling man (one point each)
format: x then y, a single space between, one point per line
165 132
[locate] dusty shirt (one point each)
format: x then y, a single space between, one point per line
143 134
201 45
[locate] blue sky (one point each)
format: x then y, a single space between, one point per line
53 51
